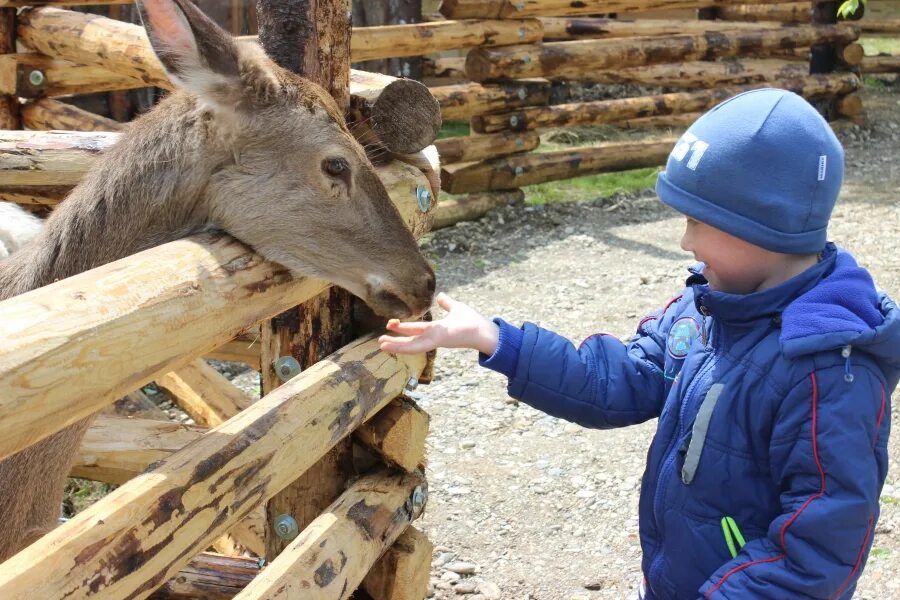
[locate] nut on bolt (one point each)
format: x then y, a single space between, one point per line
286 527
412 383
36 78
286 367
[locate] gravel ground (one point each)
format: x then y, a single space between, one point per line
526 506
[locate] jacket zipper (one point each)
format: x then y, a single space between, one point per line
672 448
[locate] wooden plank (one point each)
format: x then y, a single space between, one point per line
573 58
882 63
330 558
204 393
578 28
70 348
238 350
117 449
527 169
479 147
398 434
609 111
466 100
473 206
57 158
48 114
416 39
879 27
517 9
210 577
59 77
402 573
140 535
783 12
705 74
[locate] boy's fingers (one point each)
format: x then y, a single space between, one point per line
404 345
409 328
445 301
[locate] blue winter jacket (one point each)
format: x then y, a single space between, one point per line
774 410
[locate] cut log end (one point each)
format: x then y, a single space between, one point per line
406 117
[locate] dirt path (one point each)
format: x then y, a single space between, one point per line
547 510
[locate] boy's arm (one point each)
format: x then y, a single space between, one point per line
828 454
602 384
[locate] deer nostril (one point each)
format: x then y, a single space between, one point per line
430 282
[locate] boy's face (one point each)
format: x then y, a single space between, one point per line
732 265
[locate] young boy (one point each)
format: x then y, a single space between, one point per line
770 374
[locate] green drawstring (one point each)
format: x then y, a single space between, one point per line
732 534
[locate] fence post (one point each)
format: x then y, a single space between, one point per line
311 38
9 107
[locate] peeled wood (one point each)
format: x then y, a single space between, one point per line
210 577
53 158
47 114
609 111
61 77
402 573
852 54
479 147
672 122
330 558
704 74
117 449
204 393
784 12
445 67
398 434
238 350
415 39
529 169
880 26
577 28
469 99
473 206
506 9
883 63
573 59
850 105
141 534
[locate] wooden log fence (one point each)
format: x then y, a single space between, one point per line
516 9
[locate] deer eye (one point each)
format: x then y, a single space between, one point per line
336 167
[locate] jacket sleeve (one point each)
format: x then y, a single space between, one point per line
828 454
604 383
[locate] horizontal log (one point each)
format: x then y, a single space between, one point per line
783 12
850 106
398 434
58 77
528 169
851 54
24 3
204 393
55 342
579 28
238 350
516 9
466 100
416 39
407 119
140 535
882 63
479 147
704 74
445 67
676 123
49 158
117 449
473 206
210 577
609 111
403 571
48 114
880 26
330 558
572 59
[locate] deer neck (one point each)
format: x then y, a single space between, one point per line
148 189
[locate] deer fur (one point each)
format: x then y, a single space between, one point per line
243 146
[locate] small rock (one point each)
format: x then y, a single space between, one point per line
450 576
467 444
465 587
461 567
442 559
443 585
490 590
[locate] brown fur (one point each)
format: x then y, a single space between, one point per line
241 148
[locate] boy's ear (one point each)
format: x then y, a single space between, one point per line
196 53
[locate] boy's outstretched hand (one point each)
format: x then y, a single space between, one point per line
463 327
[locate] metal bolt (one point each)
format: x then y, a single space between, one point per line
520 142
286 527
413 383
522 94
526 59
419 496
520 6
36 78
521 32
286 367
519 171
513 121
423 197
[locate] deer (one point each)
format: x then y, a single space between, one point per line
242 146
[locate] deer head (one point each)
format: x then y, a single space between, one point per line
294 184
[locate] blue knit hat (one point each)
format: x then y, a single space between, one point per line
763 166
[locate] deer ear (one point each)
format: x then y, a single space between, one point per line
196 53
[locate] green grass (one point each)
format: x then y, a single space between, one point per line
453 129
591 186
880 552
879 45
